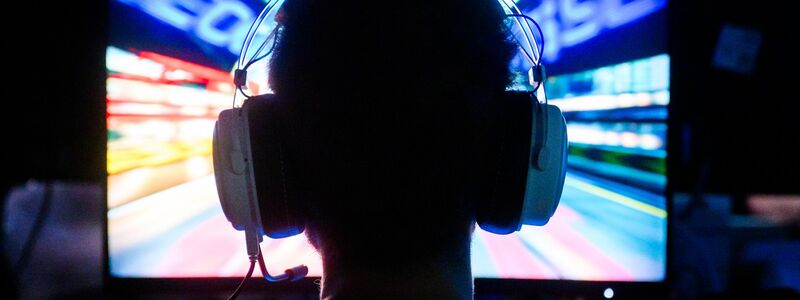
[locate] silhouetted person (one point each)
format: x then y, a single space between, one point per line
389 112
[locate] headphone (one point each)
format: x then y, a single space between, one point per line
254 191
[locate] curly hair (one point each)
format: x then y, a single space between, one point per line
388 112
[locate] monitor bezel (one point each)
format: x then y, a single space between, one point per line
131 286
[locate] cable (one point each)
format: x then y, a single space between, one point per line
252 59
271 36
512 7
38 224
249 37
530 31
246 46
243 93
245 68
524 32
293 274
538 28
538 62
246 43
541 84
271 49
527 55
241 284
265 273
233 105
251 32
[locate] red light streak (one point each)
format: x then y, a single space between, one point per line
204 72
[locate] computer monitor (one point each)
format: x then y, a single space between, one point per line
169 75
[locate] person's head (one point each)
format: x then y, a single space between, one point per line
389 110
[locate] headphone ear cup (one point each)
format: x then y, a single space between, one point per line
545 180
530 167
279 210
229 169
500 212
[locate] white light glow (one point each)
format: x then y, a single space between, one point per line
640 136
608 102
608 293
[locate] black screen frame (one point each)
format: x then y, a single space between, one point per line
127 287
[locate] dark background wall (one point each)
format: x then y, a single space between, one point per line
734 133
53 98
54 95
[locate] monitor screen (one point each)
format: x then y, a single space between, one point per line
169 75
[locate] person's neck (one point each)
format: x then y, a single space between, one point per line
449 278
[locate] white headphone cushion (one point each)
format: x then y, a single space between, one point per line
543 189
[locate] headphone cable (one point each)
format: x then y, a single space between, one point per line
538 28
243 93
271 36
251 33
255 60
526 33
251 62
241 284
